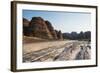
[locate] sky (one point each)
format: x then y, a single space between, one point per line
64 21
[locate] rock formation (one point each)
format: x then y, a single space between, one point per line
59 35
38 27
51 29
26 29
25 22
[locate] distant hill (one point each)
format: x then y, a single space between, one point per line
78 36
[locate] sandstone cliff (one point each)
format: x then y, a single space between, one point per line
51 29
38 27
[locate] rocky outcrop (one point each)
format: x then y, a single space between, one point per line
26 29
59 35
51 29
38 27
25 22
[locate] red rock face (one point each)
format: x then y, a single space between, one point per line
38 27
26 30
25 22
59 35
51 29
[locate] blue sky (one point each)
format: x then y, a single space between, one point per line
64 21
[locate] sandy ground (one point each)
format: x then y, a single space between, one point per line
31 47
56 51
